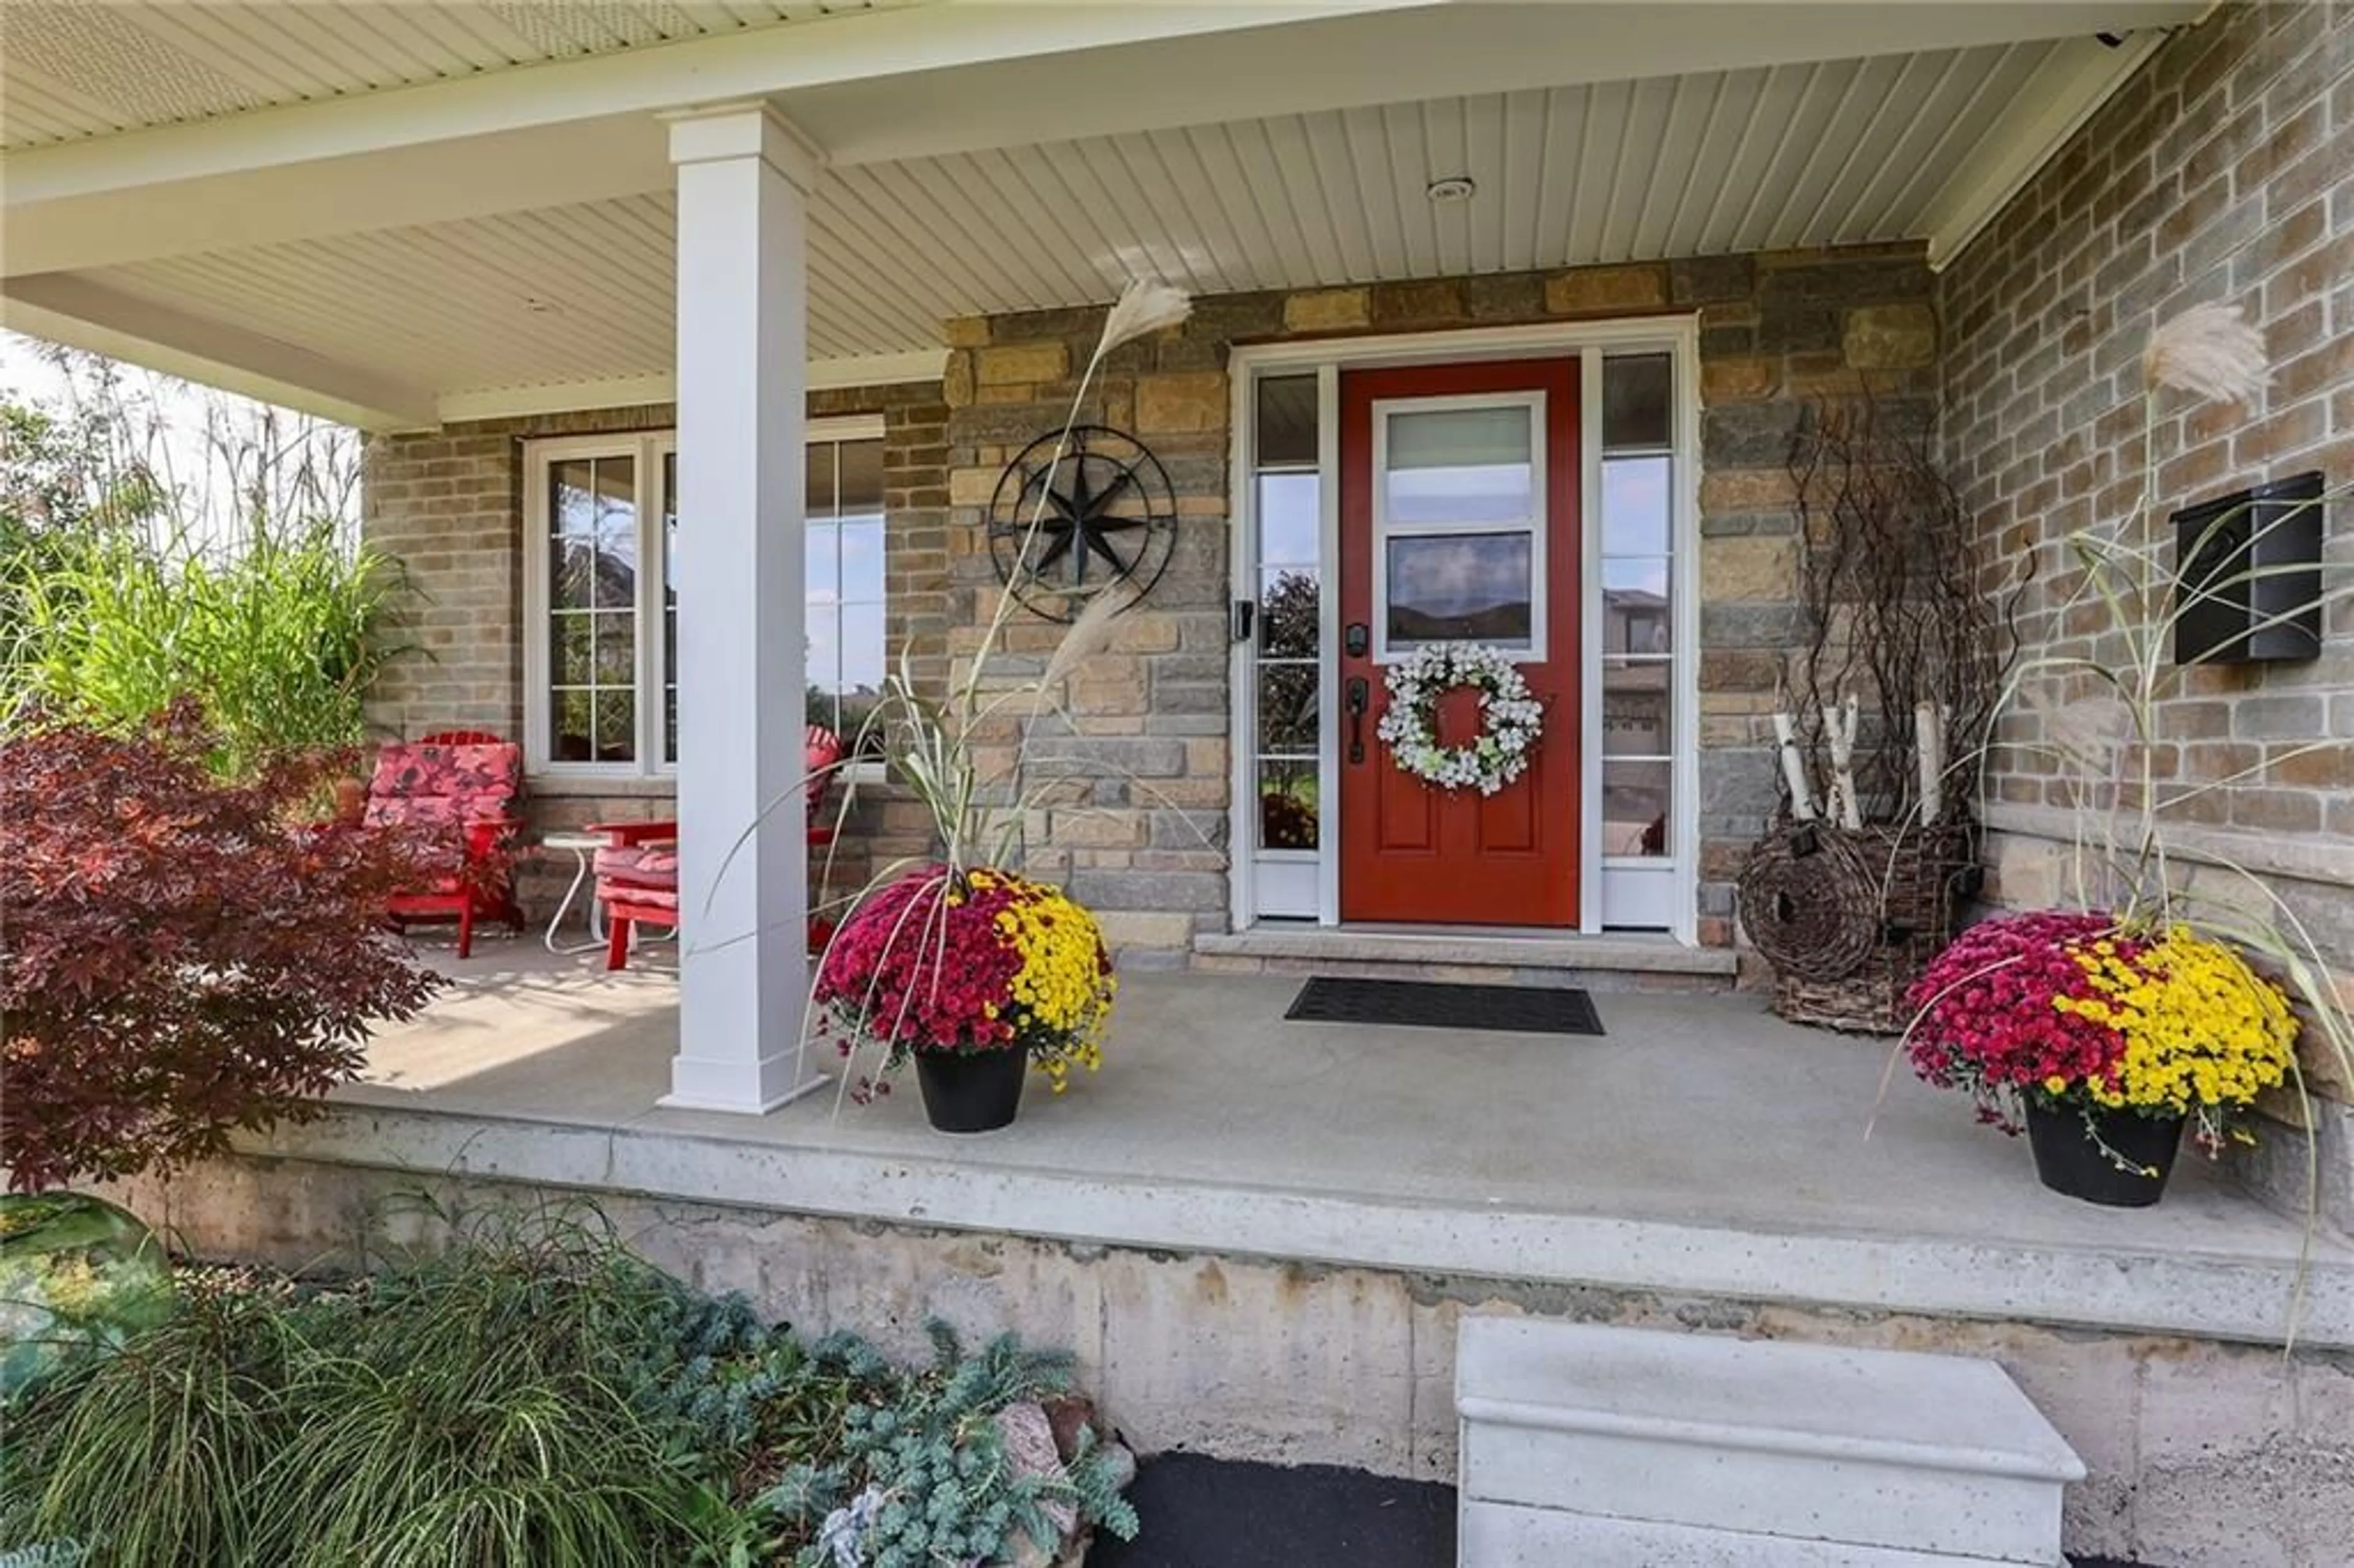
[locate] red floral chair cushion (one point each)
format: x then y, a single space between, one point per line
454 797
430 782
645 865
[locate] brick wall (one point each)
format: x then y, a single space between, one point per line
449 506
2223 171
1776 331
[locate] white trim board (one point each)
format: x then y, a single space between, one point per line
637 391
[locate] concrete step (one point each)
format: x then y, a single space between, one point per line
1510 1535
1619 961
1635 1449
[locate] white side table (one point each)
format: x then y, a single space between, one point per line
584 848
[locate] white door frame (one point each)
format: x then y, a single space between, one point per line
1679 336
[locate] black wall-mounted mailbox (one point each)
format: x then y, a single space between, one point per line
2248 589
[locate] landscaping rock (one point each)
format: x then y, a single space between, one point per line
1029 1450
1069 1416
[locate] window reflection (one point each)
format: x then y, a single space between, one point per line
1635 800
1288 796
1460 586
1635 714
1288 520
1288 698
1290 612
1287 421
1637 615
1461 465
1636 401
1636 505
847 550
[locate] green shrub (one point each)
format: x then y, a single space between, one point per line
281 636
75 1271
534 1394
150 1456
490 1407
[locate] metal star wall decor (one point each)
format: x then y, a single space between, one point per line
1110 515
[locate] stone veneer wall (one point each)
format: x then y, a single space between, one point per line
2223 171
1776 331
450 506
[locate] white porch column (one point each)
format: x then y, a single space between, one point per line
744 179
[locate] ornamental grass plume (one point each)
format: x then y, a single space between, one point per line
1144 307
2208 351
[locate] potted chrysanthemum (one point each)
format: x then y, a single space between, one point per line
973 976
2103 1042
965 964
2105 1029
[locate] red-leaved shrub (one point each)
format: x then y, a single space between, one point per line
182 956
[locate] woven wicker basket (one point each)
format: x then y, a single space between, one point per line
1848 917
1869 1002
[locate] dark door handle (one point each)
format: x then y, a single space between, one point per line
1358 697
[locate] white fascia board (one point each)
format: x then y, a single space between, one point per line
755 63
2065 94
550 165
638 391
87 315
1407 55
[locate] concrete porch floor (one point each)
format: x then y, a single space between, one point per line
1703 1147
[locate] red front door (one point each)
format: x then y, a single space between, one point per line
1459 522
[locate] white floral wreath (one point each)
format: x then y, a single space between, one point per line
1512 719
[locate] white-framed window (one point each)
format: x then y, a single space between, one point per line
1458 549
1638 559
602 536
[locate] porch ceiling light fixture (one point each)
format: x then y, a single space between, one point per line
1451 189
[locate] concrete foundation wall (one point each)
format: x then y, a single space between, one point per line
2202 1456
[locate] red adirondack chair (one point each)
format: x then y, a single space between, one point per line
637 871
461 792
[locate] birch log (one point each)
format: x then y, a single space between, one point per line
1794 768
1929 734
1840 723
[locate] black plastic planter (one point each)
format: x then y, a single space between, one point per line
972 1091
2070 1160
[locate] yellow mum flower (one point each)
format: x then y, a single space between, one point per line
2202 1030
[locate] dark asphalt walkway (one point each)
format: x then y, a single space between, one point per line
1218 1513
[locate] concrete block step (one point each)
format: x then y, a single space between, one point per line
1511 1535
1787 1445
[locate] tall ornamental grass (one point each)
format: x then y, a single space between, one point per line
279 635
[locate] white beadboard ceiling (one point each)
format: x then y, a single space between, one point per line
75 68
1825 153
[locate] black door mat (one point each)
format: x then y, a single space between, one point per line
1433 1004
